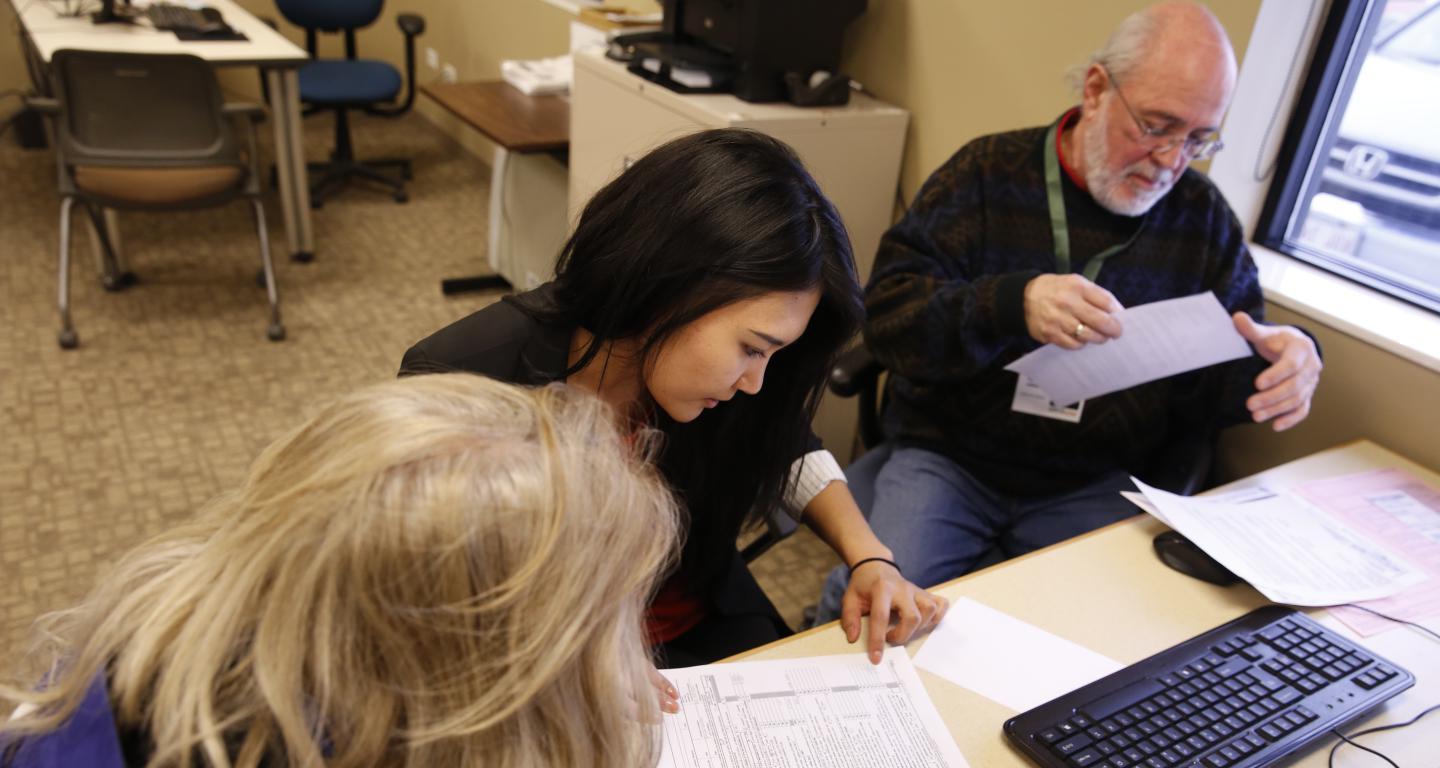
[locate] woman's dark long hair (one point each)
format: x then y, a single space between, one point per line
699 223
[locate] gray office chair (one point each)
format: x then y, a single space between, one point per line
148 132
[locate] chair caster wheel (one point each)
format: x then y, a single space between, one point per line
276 332
69 339
304 257
118 282
316 204
401 197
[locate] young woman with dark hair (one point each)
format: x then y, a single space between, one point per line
712 265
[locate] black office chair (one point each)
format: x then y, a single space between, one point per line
148 132
340 85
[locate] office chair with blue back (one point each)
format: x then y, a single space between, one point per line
341 85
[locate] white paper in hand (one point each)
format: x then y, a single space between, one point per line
1159 340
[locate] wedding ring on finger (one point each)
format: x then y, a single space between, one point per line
1079 331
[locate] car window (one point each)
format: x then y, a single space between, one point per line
1418 39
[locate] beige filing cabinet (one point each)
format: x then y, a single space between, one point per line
853 151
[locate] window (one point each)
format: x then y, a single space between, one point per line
1357 191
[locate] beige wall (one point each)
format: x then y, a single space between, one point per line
965 68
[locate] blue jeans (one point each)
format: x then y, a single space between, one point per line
941 523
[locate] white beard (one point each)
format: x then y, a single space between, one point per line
1110 188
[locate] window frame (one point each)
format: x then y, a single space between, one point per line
1345 38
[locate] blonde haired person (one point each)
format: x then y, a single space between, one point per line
443 570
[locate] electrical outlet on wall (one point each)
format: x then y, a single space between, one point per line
432 58
448 74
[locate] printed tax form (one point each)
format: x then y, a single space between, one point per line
822 711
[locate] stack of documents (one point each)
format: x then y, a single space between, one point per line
1288 549
538 76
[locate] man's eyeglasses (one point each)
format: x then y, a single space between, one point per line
1161 140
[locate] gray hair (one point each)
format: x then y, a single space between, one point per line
1122 53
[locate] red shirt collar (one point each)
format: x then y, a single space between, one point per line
1065 121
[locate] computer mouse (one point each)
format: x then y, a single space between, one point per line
1181 554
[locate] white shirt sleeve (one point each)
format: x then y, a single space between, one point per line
808 477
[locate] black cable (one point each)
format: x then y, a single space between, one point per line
1346 740
1373 612
1376 729
1357 745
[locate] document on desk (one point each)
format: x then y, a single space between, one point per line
1161 339
1288 549
1399 510
821 711
1006 660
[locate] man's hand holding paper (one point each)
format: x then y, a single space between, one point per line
1161 339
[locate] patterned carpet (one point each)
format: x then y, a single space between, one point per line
174 388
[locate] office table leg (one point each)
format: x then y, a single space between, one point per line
498 167
284 88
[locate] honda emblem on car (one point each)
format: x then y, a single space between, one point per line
1366 162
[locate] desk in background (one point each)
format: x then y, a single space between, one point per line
528 183
1108 592
46 32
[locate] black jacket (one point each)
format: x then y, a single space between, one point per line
504 342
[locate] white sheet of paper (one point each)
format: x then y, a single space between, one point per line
820 711
1287 549
1002 658
1160 339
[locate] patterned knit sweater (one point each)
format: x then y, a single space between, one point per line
945 315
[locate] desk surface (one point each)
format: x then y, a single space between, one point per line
1056 589
507 116
50 32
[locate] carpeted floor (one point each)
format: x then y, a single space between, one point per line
175 388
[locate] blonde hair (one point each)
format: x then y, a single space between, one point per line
441 570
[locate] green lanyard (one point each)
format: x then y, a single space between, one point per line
1055 196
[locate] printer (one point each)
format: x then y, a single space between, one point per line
760 50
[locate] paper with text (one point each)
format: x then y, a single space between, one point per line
1394 507
819 711
1002 658
1160 339
1289 550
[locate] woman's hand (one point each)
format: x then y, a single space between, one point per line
669 696
877 589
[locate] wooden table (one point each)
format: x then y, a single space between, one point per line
1107 591
518 125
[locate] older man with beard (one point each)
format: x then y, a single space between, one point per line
1041 236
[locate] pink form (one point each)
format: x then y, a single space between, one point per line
1395 508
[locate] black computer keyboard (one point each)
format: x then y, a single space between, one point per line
1241 695
184 18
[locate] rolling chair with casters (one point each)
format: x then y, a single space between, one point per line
148 132
341 85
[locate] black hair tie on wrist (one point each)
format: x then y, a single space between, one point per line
890 563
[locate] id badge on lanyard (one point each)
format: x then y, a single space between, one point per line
1028 397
